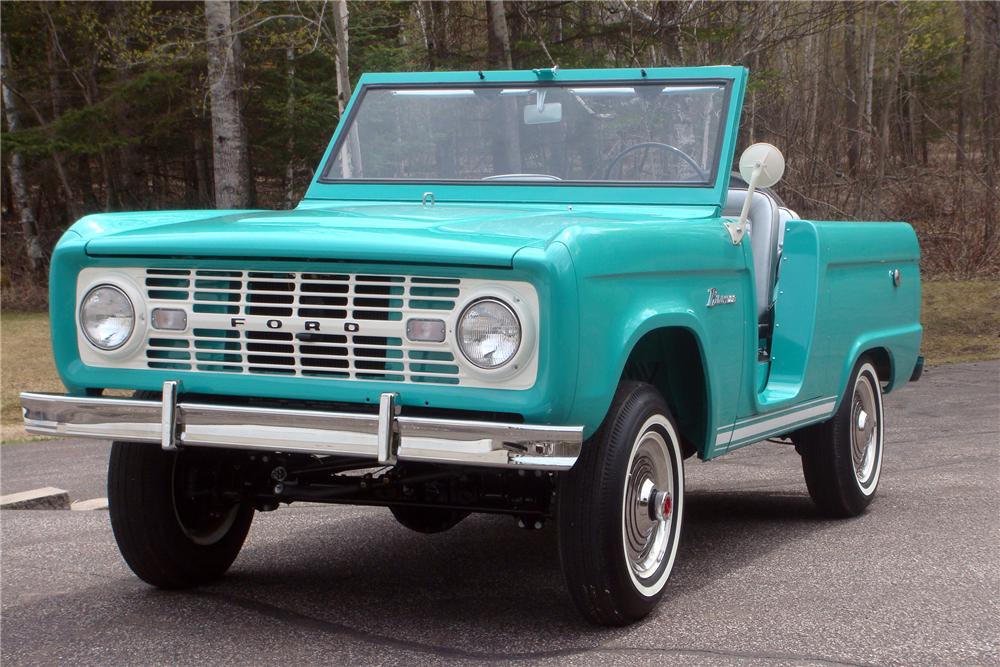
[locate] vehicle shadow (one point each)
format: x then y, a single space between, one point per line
366 578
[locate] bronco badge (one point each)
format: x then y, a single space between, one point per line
715 299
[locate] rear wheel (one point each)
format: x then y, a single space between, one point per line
620 510
173 526
842 458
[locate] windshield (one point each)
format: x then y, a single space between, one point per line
642 132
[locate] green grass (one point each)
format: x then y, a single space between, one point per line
25 365
961 323
961 320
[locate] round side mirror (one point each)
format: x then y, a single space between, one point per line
765 158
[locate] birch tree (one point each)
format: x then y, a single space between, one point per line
499 40
352 160
851 101
963 95
29 226
506 139
340 20
231 158
290 119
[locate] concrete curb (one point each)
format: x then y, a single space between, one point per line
45 498
88 505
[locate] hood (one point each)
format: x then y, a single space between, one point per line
462 234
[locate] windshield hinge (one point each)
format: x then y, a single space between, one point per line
546 73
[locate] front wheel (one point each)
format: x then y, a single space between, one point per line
174 526
842 457
620 509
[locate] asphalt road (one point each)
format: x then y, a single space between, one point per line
759 578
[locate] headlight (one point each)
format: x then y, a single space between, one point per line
489 333
107 317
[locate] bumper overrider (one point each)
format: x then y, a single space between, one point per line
386 438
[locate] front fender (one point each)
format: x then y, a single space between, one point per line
646 277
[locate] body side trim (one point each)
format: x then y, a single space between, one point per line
744 434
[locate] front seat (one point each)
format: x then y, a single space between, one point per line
763 228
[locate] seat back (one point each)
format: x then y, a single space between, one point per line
763 228
784 215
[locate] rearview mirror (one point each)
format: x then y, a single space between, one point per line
546 113
763 161
761 166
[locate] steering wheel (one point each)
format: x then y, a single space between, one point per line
653 144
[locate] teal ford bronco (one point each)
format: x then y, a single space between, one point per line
533 293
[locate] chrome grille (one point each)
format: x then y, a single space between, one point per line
360 321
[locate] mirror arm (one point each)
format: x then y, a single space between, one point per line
738 229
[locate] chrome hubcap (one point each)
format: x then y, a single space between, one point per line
864 431
648 505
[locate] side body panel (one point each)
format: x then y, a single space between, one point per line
635 279
835 300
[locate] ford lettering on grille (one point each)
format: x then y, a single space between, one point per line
335 325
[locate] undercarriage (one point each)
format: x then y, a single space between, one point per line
267 480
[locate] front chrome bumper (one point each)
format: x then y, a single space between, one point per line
385 437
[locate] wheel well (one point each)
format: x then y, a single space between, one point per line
670 359
883 363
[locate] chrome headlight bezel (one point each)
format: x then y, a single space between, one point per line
460 322
81 315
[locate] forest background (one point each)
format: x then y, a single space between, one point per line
884 110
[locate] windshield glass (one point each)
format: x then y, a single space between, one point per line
642 132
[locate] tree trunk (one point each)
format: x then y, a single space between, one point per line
55 89
201 169
351 163
440 14
290 124
74 201
29 226
866 125
891 77
506 142
433 17
107 194
584 21
670 37
812 50
960 142
991 84
911 118
991 98
851 78
77 200
233 183
423 20
342 61
499 38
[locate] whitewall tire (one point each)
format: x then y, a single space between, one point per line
620 510
842 457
